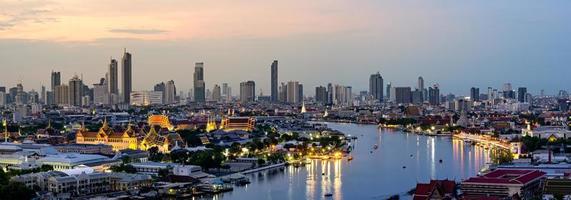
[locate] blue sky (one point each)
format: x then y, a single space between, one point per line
457 44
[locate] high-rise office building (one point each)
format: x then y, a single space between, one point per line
55 80
199 84
127 74
170 93
113 78
2 98
101 93
146 98
330 94
216 93
75 91
376 86
402 95
321 94
43 95
247 91
420 85
434 95
224 89
422 89
417 96
292 94
300 93
475 94
274 81
389 89
522 94
61 94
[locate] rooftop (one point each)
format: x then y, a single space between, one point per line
507 176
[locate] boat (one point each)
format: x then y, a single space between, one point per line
328 195
350 158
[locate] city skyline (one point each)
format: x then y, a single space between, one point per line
526 49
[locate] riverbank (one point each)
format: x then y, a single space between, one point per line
372 174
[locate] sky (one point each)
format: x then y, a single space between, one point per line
456 44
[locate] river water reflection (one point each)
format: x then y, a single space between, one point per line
402 160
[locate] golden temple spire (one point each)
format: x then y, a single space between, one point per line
105 124
5 123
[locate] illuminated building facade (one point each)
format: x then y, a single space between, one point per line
164 143
160 120
106 135
238 123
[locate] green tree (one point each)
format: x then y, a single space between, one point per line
15 190
501 156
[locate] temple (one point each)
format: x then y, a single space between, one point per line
164 143
238 123
106 135
160 120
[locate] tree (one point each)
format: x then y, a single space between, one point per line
163 173
261 162
16 190
501 156
155 155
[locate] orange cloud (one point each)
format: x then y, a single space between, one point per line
89 20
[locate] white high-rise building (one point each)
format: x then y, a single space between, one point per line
101 93
216 93
146 98
170 93
75 91
293 92
2 98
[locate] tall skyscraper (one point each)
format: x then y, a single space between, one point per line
199 85
330 94
475 94
55 80
101 93
216 93
61 94
293 92
423 91
420 83
321 94
300 93
75 91
376 86
434 95
403 95
127 75
389 89
112 80
247 91
224 89
417 96
274 80
522 94
43 95
170 93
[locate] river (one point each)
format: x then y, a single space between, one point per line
402 160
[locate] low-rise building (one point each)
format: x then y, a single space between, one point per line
504 183
82 181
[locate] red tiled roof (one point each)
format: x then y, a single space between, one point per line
424 191
507 176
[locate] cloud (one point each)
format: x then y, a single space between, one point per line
16 18
138 31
